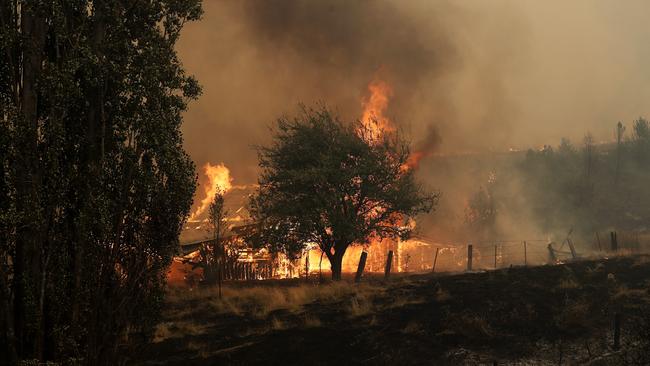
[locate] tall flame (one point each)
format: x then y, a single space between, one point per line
376 122
219 180
374 108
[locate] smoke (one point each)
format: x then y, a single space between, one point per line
258 59
466 76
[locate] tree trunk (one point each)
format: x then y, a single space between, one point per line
336 262
27 258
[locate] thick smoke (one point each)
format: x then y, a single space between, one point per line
258 59
487 76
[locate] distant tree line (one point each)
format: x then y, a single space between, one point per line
94 183
588 186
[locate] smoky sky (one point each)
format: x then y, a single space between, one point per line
484 76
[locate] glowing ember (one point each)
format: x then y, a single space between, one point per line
219 180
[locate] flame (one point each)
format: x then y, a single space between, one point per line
219 180
376 122
413 161
374 108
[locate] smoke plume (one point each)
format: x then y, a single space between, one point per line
466 76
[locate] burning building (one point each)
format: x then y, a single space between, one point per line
248 263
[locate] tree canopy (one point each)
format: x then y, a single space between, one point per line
95 183
325 182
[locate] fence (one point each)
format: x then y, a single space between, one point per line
472 256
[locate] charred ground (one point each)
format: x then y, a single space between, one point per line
544 315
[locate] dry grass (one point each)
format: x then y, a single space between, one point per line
178 329
359 306
162 332
624 294
260 301
574 316
277 324
442 295
412 327
641 260
469 325
201 348
568 284
312 322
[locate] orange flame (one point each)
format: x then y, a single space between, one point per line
219 180
374 108
413 161
377 123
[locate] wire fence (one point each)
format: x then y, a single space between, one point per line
494 254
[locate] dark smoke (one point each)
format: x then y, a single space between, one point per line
431 142
353 37
258 59
490 75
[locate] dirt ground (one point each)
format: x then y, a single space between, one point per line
560 314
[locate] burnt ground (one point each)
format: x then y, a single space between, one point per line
560 314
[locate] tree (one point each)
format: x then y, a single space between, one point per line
641 140
322 182
620 130
589 152
95 184
480 213
214 252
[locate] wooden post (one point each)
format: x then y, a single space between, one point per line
362 265
389 262
307 265
572 248
525 254
495 257
600 248
469 257
614 242
551 254
219 275
435 259
617 331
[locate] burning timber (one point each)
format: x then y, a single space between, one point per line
417 255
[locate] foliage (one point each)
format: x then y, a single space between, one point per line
480 213
322 182
594 188
95 184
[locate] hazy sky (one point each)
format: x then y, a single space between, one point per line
488 75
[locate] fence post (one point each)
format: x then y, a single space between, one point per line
525 254
389 262
551 254
220 275
362 265
573 249
614 241
495 257
435 259
469 257
600 248
307 265
617 331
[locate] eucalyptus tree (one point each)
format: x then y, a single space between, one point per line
95 183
